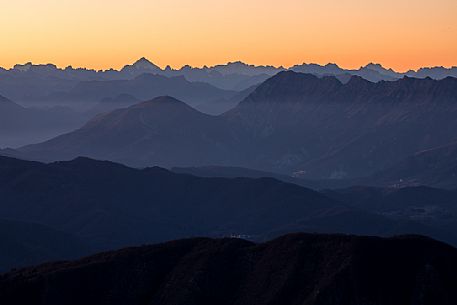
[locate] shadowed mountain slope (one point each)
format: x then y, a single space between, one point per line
434 167
322 128
294 269
25 244
109 205
164 130
431 207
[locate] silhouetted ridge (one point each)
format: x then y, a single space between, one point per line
156 111
288 83
113 205
84 163
357 81
294 269
161 101
140 65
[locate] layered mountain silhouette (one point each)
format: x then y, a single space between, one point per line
317 128
20 125
293 269
40 85
371 72
107 205
30 83
242 172
146 86
164 129
109 104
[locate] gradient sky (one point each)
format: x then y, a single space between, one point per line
401 34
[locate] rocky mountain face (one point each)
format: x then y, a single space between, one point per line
294 269
322 128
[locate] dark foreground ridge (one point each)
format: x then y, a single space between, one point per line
294 269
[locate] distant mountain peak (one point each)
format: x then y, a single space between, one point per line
332 65
237 63
374 65
380 69
143 61
165 103
142 64
166 99
23 67
38 67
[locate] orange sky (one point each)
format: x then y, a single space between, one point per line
401 34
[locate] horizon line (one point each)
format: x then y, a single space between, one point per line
163 68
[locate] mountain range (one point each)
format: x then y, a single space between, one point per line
293 269
84 93
29 83
293 123
46 105
104 205
145 86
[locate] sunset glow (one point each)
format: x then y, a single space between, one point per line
401 34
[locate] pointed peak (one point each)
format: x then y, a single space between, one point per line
142 64
143 60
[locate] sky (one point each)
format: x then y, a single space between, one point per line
101 34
